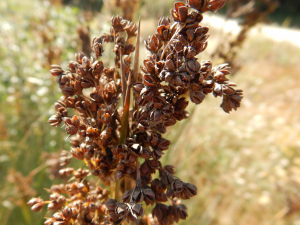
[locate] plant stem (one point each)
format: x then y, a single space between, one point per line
117 190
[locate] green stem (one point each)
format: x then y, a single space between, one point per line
117 190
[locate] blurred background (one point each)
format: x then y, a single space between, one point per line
246 164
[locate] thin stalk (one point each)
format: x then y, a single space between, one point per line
123 79
117 190
174 35
136 63
125 118
115 73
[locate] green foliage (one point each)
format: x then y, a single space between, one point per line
92 5
27 93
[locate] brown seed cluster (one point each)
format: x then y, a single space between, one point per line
120 145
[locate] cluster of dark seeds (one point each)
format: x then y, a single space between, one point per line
122 147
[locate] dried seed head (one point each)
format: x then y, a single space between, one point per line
154 43
56 70
34 201
81 173
160 212
169 72
36 204
118 23
130 29
66 171
139 195
215 5
55 120
180 12
206 5
37 207
177 212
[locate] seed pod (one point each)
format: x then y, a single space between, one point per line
228 91
161 211
97 68
77 85
96 97
71 130
106 118
180 13
57 188
138 87
220 77
34 201
86 62
130 29
163 144
79 57
178 212
55 120
73 66
149 80
56 70
37 207
66 171
118 23
196 4
153 43
156 116
197 97
169 65
215 5
49 221
193 65
69 213
77 153
150 66
75 121
97 49
68 91
86 83
81 173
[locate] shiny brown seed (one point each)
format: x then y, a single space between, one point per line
37 207
215 5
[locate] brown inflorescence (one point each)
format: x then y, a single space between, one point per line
120 145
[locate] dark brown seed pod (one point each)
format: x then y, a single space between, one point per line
56 70
77 153
37 207
206 5
154 43
160 212
215 5
118 23
71 130
34 201
66 171
178 212
55 120
180 12
97 68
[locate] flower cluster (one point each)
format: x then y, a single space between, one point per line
120 146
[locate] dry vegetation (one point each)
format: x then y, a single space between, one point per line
246 165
